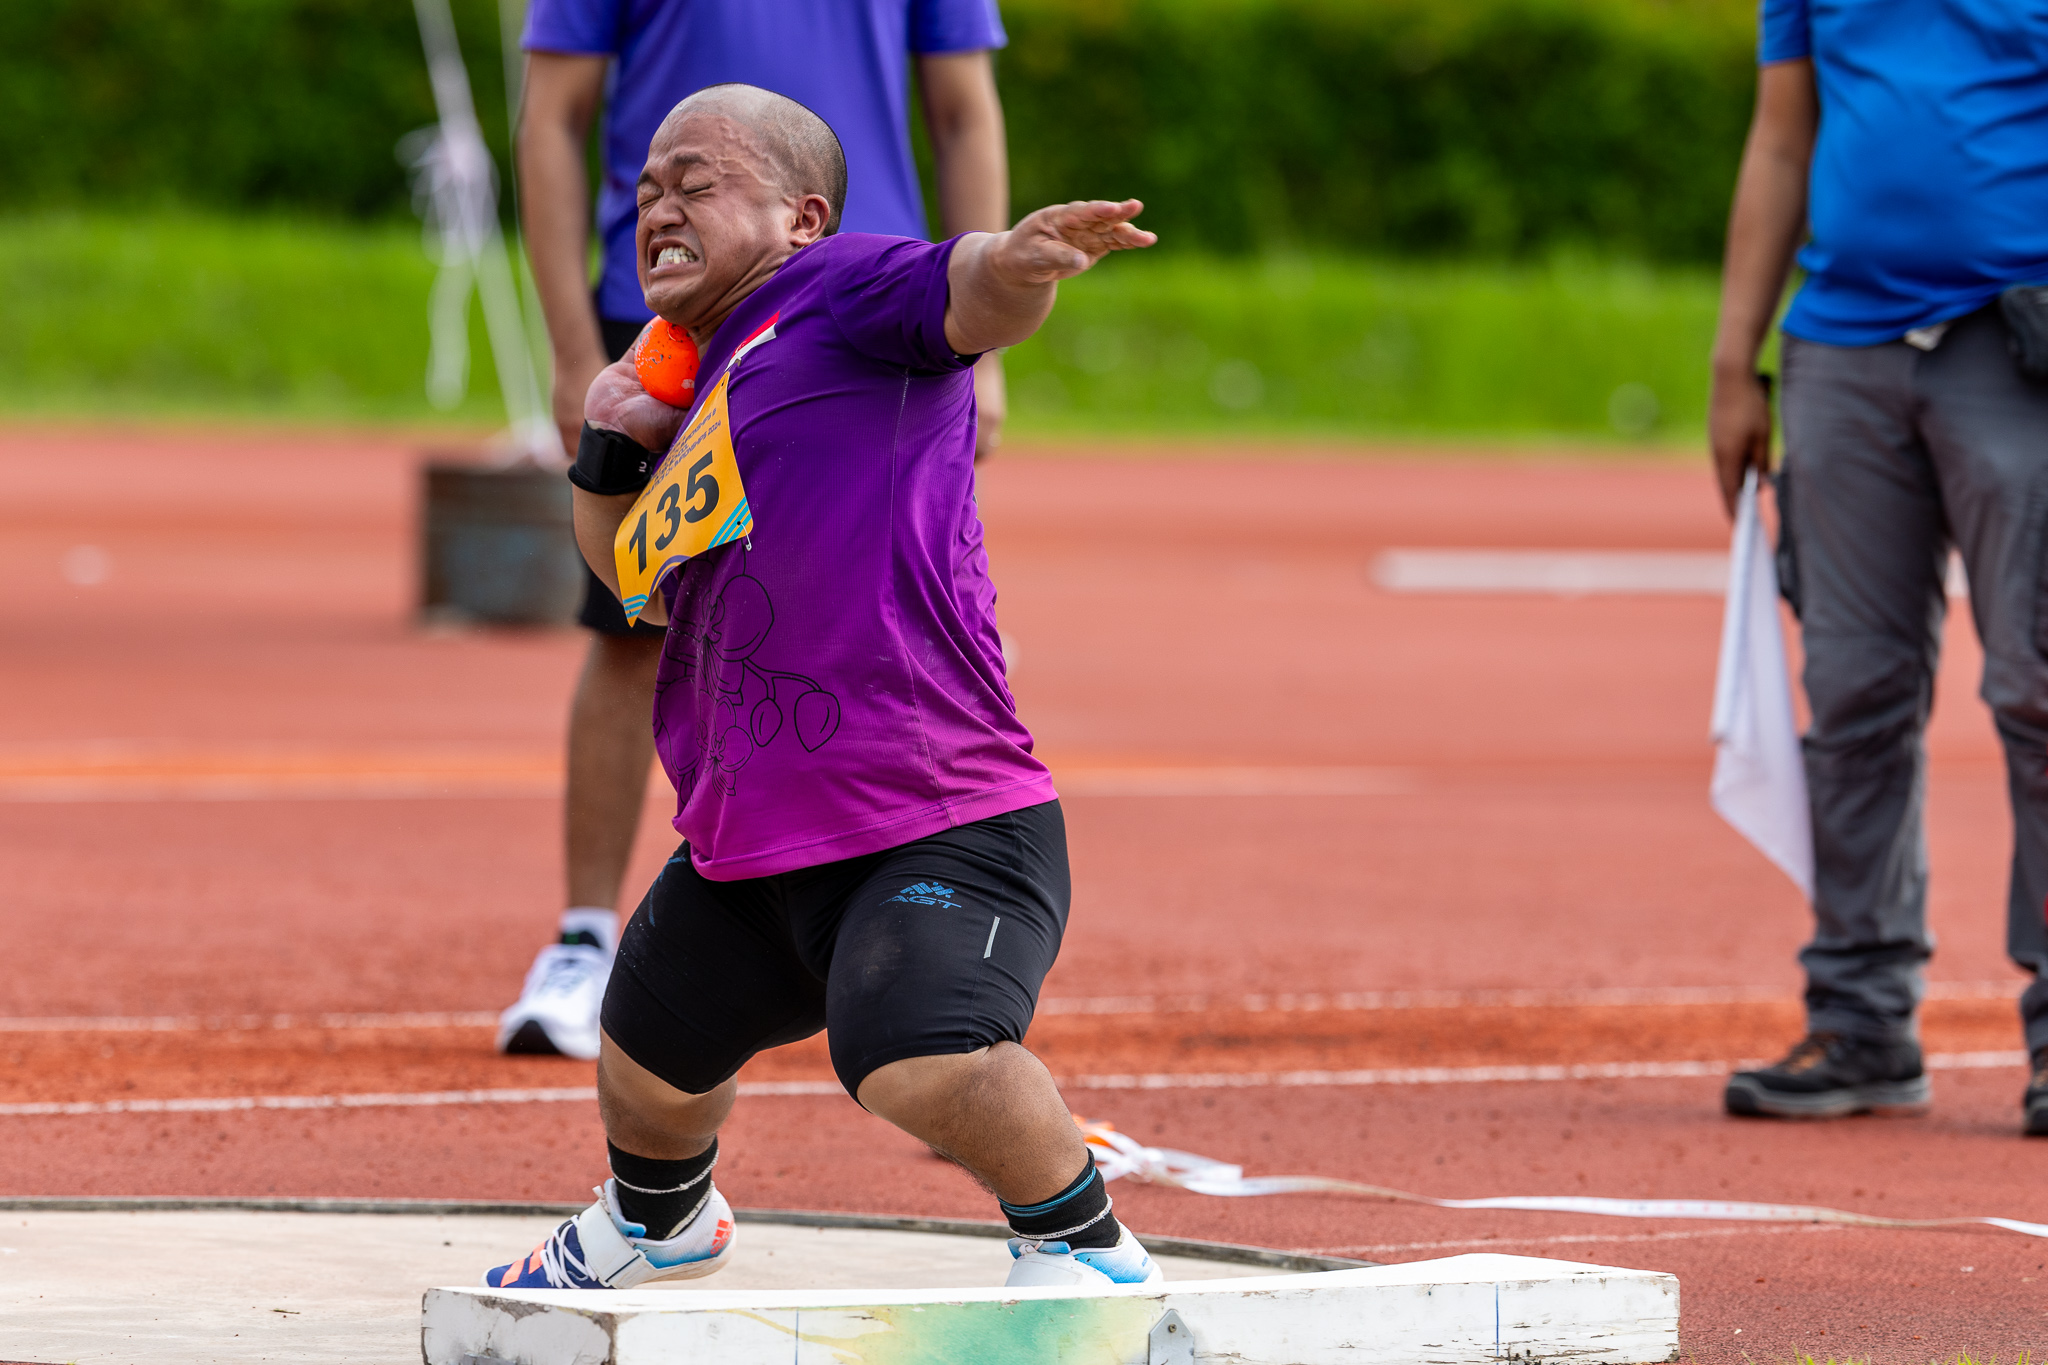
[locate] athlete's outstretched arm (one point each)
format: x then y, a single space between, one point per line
617 402
1002 284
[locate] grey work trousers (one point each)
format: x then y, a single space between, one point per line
1892 454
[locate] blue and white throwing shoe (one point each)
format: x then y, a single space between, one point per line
599 1249
1059 1265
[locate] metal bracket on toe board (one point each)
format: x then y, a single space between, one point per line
1462 1310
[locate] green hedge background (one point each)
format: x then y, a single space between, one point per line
1433 127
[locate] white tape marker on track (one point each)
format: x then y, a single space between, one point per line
1121 1157
1224 1080
1498 1243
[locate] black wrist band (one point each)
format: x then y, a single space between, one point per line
609 463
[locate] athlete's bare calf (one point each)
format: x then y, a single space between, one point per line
995 1111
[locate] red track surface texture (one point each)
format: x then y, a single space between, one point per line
235 780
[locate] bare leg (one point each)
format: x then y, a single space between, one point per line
611 744
645 1115
996 1111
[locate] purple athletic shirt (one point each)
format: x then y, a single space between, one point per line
848 60
834 685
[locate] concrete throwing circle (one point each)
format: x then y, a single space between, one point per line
227 1285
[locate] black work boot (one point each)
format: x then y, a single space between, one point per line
2035 1101
1828 1075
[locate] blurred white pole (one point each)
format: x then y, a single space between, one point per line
455 186
511 21
1759 783
511 26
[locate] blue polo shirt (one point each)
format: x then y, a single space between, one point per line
1930 175
847 60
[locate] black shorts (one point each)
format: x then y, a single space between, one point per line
931 949
601 610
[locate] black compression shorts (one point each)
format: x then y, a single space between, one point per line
931 949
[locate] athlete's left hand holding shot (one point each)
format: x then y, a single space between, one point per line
870 847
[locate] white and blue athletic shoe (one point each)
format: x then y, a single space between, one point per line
1059 1265
599 1249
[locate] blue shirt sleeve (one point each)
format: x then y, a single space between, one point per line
955 26
889 296
1783 31
588 27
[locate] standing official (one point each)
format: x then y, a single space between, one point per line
1907 144
847 60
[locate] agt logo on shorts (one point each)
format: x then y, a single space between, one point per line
927 893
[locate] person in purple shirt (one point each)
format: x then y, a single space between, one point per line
850 60
869 846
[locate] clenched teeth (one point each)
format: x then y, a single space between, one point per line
675 255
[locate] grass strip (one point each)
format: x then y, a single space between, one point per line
186 314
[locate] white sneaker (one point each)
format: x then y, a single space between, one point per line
558 1007
599 1249
1058 1265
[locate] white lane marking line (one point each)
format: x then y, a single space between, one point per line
74 791
1574 1239
1226 1080
1471 1075
1555 573
225 1104
1286 1003
1315 1002
84 784
1573 573
244 1023
1234 781
1416 1075
428 1099
990 946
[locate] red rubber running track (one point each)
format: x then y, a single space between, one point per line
1317 828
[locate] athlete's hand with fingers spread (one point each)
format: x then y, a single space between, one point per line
617 401
1001 285
1060 242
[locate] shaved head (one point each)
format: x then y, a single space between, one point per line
802 151
738 179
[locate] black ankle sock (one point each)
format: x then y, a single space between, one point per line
1060 1218
662 1195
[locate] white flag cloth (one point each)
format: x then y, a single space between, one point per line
1759 776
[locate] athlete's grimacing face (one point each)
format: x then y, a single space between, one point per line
714 221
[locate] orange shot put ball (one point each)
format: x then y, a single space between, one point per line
666 360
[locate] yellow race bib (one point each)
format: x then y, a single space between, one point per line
693 503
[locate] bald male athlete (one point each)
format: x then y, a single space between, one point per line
869 846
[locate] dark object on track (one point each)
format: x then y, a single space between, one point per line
497 547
